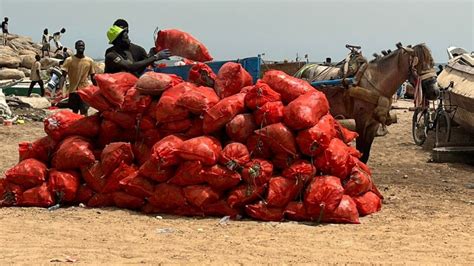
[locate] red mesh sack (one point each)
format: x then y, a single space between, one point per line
269 113
153 171
188 173
152 83
10 194
301 171
220 208
149 137
63 185
112 181
27 174
263 212
259 95
37 197
335 160
182 44
94 176
114 154
323 195
41 149
220 178
204 149
122 119
141 152
358 183
137 186
346 212
124 200
296 211
284 160
279 137
234 156
198 100
368 203
287 86
196 128
200 195
258 147
257 172
114 86
94 98
87 127
202 75
167 196
109 132
135 102
281 191
178 126
241 127
306 110
164 152
231 78
313 141
244 194
167 110
345 134
223 112
83 194
101 200
57 123
146 122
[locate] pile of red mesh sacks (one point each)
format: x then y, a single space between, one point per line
269 151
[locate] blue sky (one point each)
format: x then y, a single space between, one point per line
237 29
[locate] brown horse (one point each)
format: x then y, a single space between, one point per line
382 77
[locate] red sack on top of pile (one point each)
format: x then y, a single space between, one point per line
73 153
167 110
220 178
200 195
244 194
114 154
346 212
122 119
258 147
93 97
137 185
153 83
94 176
322 196
112 182
335 160
57 123
182 44
263 212
205 149
289 87
114 86
198 100
63 185
241 127
282 190
41 149
134 101
37 197
223 112
257 172
368 203
269 113
27 173
306 110
231 78
358 182
167 196
296 211
316 139
301 171
202 75
234 155
188 173
87 127
124 200
260 94
279 137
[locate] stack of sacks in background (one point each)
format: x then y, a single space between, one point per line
270 151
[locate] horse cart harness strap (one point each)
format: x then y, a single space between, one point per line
381 111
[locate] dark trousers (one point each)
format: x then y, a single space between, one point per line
77 104
33 83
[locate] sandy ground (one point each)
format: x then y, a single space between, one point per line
427 217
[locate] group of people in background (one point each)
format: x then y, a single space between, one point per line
56 37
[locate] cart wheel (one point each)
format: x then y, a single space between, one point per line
443 128
419 127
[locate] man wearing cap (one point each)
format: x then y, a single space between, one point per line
124 56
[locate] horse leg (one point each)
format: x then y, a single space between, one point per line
365 139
